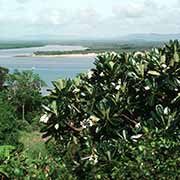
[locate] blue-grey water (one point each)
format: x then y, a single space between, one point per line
49 68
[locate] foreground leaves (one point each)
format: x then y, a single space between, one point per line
134 101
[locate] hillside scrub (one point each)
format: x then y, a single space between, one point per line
121 119
24 91
20 109
3 73
8 123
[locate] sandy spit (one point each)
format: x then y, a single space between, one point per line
68 55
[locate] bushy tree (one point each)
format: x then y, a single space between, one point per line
8 123
24 90
107 123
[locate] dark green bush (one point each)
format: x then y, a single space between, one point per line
151 157
8 123
120 120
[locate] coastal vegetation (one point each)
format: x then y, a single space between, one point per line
21 44
102 47
120 120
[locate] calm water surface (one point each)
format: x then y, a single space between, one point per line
49 68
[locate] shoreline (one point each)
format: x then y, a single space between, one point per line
66 55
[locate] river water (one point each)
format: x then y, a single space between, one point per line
49 68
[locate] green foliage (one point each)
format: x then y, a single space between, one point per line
24 93
34 145
3 73
108 122
8 123
154 156
19 166
33 162
5 152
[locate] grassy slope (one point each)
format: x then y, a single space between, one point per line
34 145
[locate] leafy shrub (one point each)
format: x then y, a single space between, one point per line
8 123
151 157
121 119
21 167
5 152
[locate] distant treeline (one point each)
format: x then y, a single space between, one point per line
15 45
104 47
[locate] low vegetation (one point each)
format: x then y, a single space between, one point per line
120 120
102 47
21 44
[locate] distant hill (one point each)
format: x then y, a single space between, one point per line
131 38
150 37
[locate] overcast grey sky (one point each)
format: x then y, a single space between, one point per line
87 18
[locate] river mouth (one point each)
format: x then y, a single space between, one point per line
49 68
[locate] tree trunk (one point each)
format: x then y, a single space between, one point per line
23 118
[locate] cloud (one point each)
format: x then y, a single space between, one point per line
135 9
90 17
51 17
146 16
77 19
128 10
177 2
86 16
22 1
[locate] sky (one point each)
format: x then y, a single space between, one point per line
83 19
